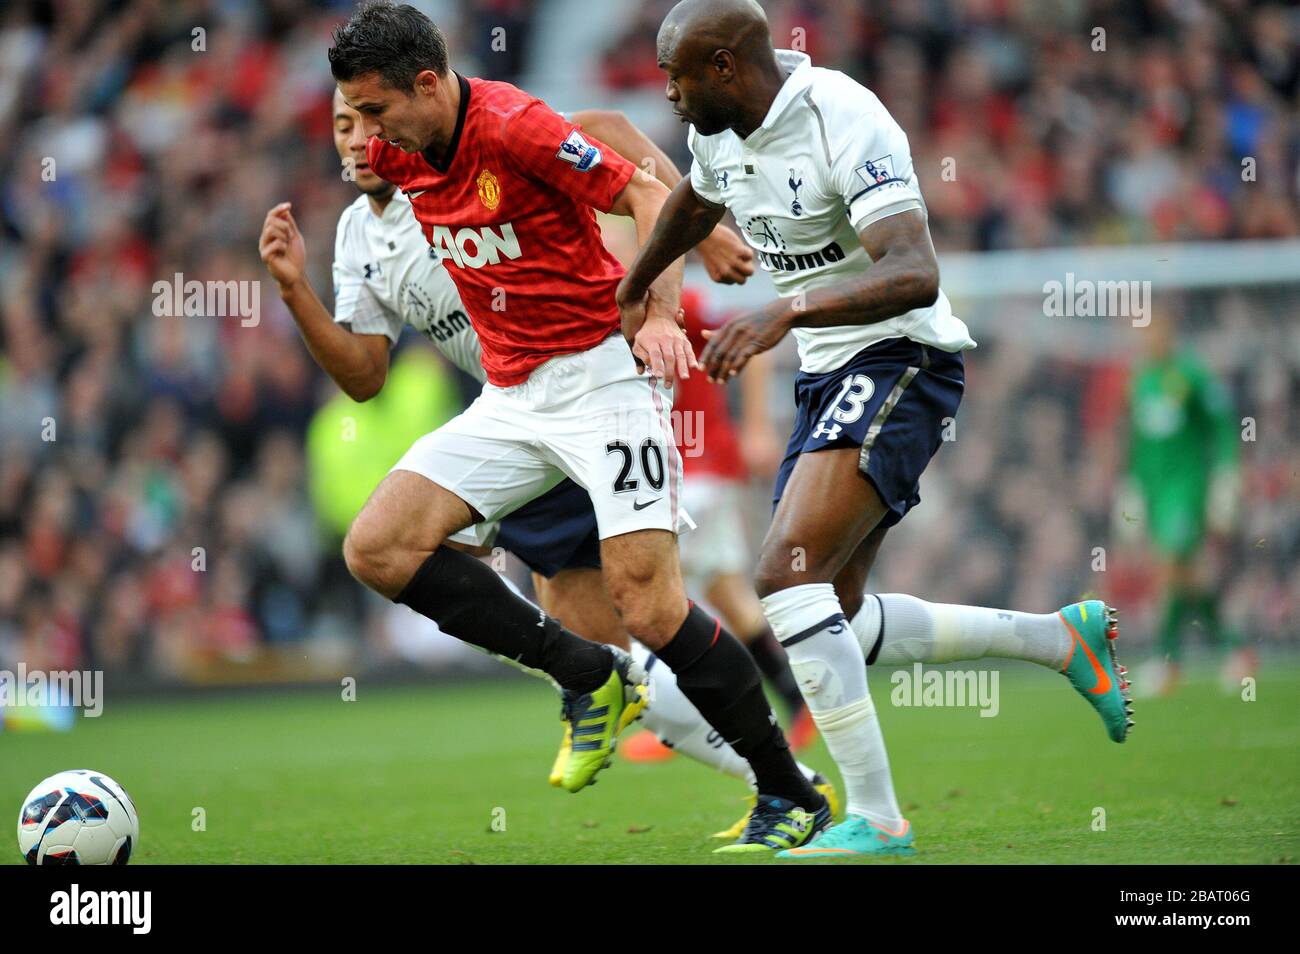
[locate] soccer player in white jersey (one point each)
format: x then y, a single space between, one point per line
820 179
386 278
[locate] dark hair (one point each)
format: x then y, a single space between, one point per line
397 42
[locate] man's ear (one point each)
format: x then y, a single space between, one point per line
426 82
724 65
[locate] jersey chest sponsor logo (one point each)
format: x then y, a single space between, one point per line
771 248
474 248
445 329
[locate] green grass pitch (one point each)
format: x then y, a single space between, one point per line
417 775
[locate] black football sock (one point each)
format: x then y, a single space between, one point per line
774 665
468 600
719 677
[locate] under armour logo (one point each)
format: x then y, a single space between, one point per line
721 177
830 433
371 270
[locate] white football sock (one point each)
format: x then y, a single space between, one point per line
829 666
917 631
679 725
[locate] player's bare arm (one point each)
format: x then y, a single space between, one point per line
727 259
358 363
904 275
683 223
650 321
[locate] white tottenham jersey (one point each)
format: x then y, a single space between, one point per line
387 276
827 162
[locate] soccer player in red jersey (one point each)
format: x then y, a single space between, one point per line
506 191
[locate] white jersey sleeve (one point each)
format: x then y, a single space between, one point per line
703 180
359 302
871 161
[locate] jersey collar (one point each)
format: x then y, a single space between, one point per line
798 69
398 198
441 165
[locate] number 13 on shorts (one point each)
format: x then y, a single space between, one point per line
847 407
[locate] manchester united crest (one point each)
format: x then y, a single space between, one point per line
489 190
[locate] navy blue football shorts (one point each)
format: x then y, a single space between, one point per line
556 531
894 400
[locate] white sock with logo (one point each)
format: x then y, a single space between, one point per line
917 631
679 725
831 671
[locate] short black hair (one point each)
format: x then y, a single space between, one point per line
397 42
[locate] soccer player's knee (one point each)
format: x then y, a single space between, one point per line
356 556
645 621
368 557
647 614
784 564
774 575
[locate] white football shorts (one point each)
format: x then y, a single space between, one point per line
587 415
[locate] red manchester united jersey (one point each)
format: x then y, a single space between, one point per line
706 435
510 209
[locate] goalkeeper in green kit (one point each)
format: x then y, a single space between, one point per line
1183 484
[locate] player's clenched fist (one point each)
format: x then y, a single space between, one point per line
281 246
727 259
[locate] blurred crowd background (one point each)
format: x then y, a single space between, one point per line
173 489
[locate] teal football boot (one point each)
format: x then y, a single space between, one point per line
1092 666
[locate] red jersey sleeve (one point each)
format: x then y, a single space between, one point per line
546 147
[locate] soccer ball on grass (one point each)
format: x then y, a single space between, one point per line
78 818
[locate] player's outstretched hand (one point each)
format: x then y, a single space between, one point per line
281 246
727 259
665 340
662 348
731 346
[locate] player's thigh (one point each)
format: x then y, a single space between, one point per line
486 456
863 436
405 519
827 508
577 598
644 579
